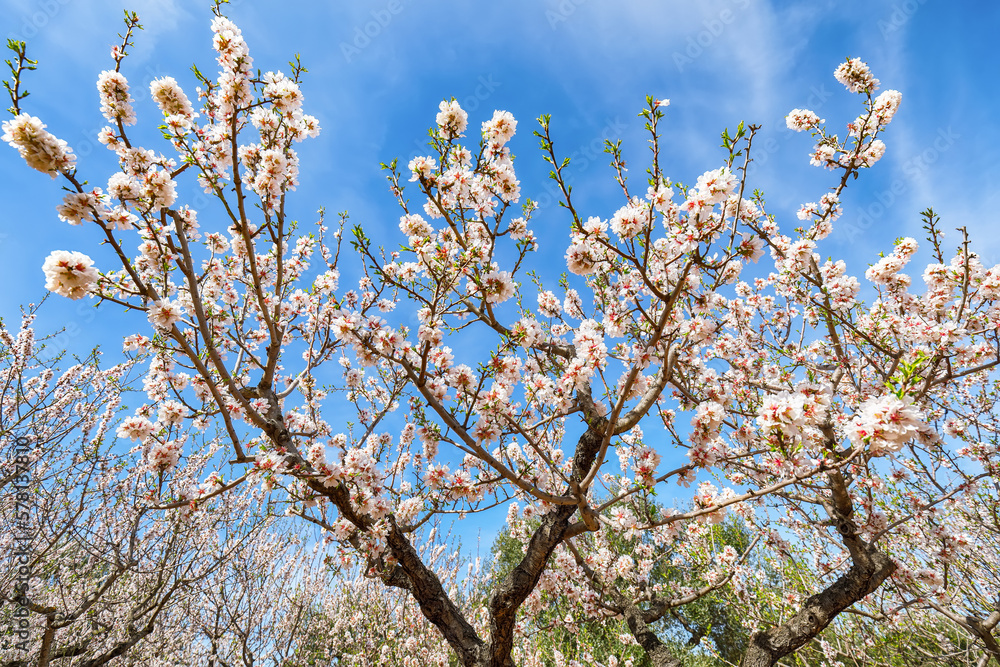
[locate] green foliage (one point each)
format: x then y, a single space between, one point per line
712 619
17 67
600 638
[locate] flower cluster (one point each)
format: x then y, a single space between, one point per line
39 148
885 424
170 98
116 103
452 120
802 119
856 76
70 274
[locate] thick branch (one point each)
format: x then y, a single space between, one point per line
869 569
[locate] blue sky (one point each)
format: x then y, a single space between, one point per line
378 70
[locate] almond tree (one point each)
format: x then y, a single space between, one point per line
501 395
91 568
287 602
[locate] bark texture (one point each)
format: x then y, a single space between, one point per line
516 586
768 647
870 567
656 650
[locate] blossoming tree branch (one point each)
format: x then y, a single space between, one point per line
848 426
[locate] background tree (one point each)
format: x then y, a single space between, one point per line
107 568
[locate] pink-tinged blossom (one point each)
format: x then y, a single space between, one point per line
135 428
582 259
646 462
887 268
39 148
499 129
589 343
485 431
163 456
841 288
744 208
170 98
872 153
885 106
713 187
629 221
164 314
358 462
171 412
885 424
80 206
228 42
518 229
660 197
707 421
783 414
233 89
159 189
214 482
707 454
856 76
407 511
497 286
326 282
824 155
802 119
283 93
573 304
526 332
751 248
135 342
68 273
798 255
422 168
415 225
116 104
548 304
124 187
451 120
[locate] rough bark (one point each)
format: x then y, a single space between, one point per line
516 586
983 630
870 567
768 647
412 575
656 650
434 602
47 638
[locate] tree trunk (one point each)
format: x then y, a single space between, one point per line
655 649
870 567
47 639
769 646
